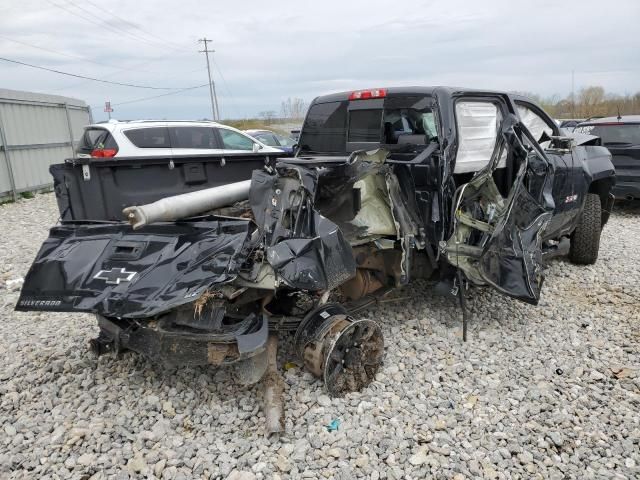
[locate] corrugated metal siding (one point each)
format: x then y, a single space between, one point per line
5 183
36 129
31 167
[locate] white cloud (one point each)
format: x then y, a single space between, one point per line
268 51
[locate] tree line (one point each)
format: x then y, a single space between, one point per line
591 101
291 109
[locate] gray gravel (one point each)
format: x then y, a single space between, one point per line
538 392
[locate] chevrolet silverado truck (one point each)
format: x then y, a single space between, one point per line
205 260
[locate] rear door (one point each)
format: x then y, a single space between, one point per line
143 141
190 140
235 142
497 238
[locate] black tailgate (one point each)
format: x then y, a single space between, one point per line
114 271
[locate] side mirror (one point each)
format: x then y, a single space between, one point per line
256 148
544 137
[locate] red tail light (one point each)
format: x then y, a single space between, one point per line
367 94
104 152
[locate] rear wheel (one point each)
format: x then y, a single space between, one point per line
585 240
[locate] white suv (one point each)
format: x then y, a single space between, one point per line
143 138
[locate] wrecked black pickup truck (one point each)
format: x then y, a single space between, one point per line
469 188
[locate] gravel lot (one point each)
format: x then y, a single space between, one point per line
551 391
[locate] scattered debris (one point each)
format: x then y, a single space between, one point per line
14 284
621 372
471 401
333 425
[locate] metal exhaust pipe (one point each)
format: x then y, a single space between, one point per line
273 391
186 205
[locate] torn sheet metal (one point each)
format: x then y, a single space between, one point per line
111 270
306 250
497 240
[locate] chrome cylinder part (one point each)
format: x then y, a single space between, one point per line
186 205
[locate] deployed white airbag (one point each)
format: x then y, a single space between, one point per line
478 124
536 125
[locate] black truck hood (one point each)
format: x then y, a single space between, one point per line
108 268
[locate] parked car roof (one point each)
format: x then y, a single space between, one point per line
113 124
253 131
161 137
621 119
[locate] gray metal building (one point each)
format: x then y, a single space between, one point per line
36 130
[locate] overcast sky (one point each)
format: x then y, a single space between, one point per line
268 51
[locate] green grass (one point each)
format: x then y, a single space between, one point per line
27 195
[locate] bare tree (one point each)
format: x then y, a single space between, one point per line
293 108
590 101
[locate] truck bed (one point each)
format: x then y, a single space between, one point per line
98 189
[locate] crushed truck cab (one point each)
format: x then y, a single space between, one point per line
467 188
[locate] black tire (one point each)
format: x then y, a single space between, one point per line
585 240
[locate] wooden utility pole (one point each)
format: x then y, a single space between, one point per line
212 86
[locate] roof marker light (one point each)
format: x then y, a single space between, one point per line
368 94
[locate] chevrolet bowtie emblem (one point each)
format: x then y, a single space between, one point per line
115 276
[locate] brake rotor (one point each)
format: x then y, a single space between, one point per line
345 352
353 357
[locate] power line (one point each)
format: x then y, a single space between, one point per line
224 82
158 96
87 78
103 22
79 84
76 14
146 33
118 69
99 23
56 52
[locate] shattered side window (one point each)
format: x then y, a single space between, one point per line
409 119
478 123
534 123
